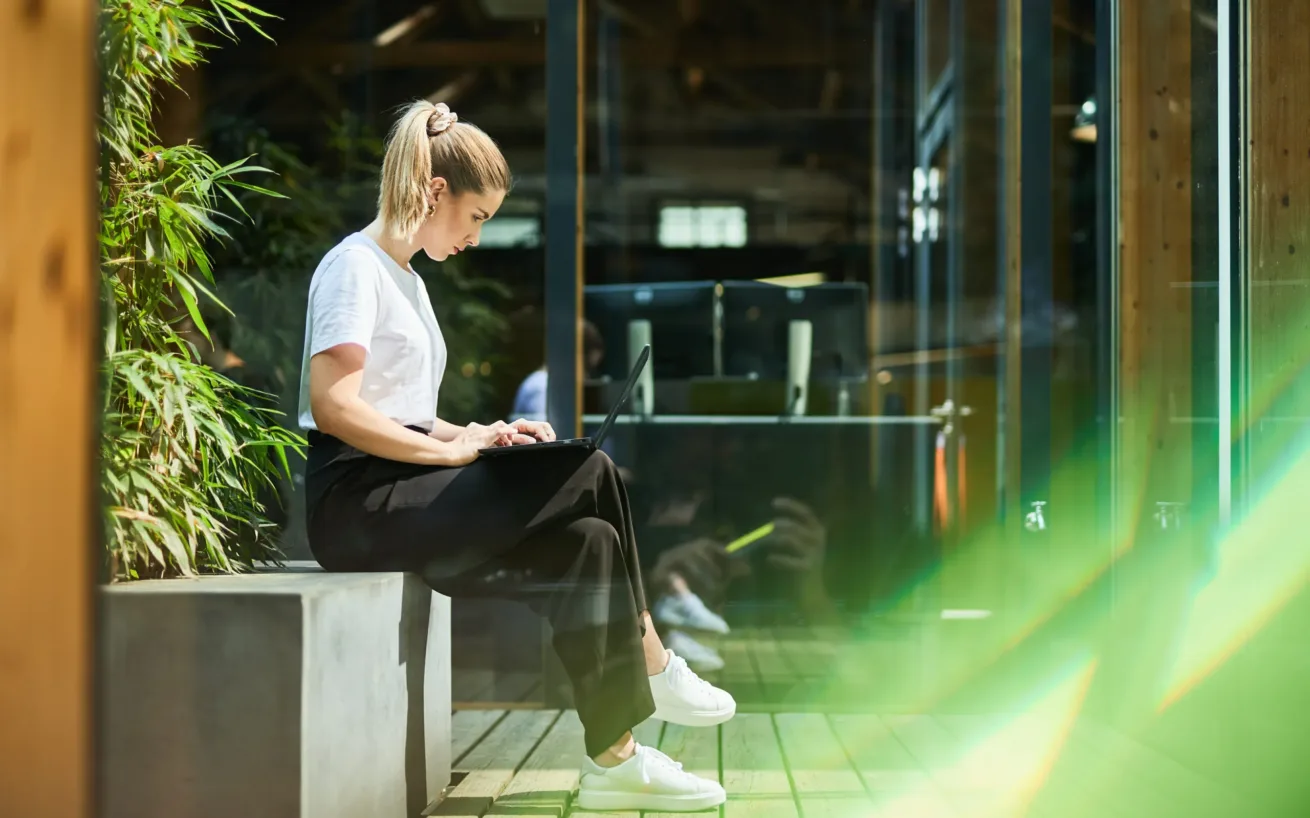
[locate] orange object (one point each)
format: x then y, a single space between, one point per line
961 485
942 517
940 504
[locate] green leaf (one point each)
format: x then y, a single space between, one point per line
188 294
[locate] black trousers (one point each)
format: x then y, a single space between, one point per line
551 529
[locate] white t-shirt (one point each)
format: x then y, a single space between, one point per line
360 295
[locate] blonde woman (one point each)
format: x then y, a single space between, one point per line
392 487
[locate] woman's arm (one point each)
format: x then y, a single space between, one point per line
335 375
445 432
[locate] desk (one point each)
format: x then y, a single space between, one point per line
730 468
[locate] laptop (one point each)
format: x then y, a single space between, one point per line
588 443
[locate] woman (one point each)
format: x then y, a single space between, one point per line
392 487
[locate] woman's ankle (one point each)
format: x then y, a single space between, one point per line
619 752
656 665
657 656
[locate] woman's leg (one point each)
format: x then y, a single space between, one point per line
552 529
614 507
575 577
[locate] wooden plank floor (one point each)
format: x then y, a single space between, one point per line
806 765
766 670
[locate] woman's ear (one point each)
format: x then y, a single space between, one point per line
437 187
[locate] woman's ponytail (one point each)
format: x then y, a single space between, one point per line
403 198
428 141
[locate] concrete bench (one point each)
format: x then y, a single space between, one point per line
285 694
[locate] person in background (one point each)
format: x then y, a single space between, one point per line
701 569
530 400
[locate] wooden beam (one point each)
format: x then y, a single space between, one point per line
734 90
532 52
456 88
1155 230
422 19
1279 265
1269 736
48 337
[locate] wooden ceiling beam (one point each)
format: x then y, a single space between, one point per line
730 87
655 53
411 27
456 88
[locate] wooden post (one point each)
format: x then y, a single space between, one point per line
1279 199
1273 675
47 341
1155 234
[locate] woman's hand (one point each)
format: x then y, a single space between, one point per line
476 437
536 430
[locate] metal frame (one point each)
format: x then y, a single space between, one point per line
564 148
1004 491
929 92
1107 269
1036 248
883 189
613 205
1239 42
1225 353
1234 324
933 135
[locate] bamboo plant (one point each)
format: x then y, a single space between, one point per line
186 453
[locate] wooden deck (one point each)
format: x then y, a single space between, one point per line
767 670
805 765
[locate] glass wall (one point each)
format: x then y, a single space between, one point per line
974 390
800 211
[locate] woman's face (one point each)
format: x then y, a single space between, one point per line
456 221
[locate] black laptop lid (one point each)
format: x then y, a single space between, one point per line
605 427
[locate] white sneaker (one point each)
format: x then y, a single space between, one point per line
700 658
682 697
650 782
688 611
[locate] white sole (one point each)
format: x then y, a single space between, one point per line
687 626
705 668
697 718
647 802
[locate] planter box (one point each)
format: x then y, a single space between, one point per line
286 694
